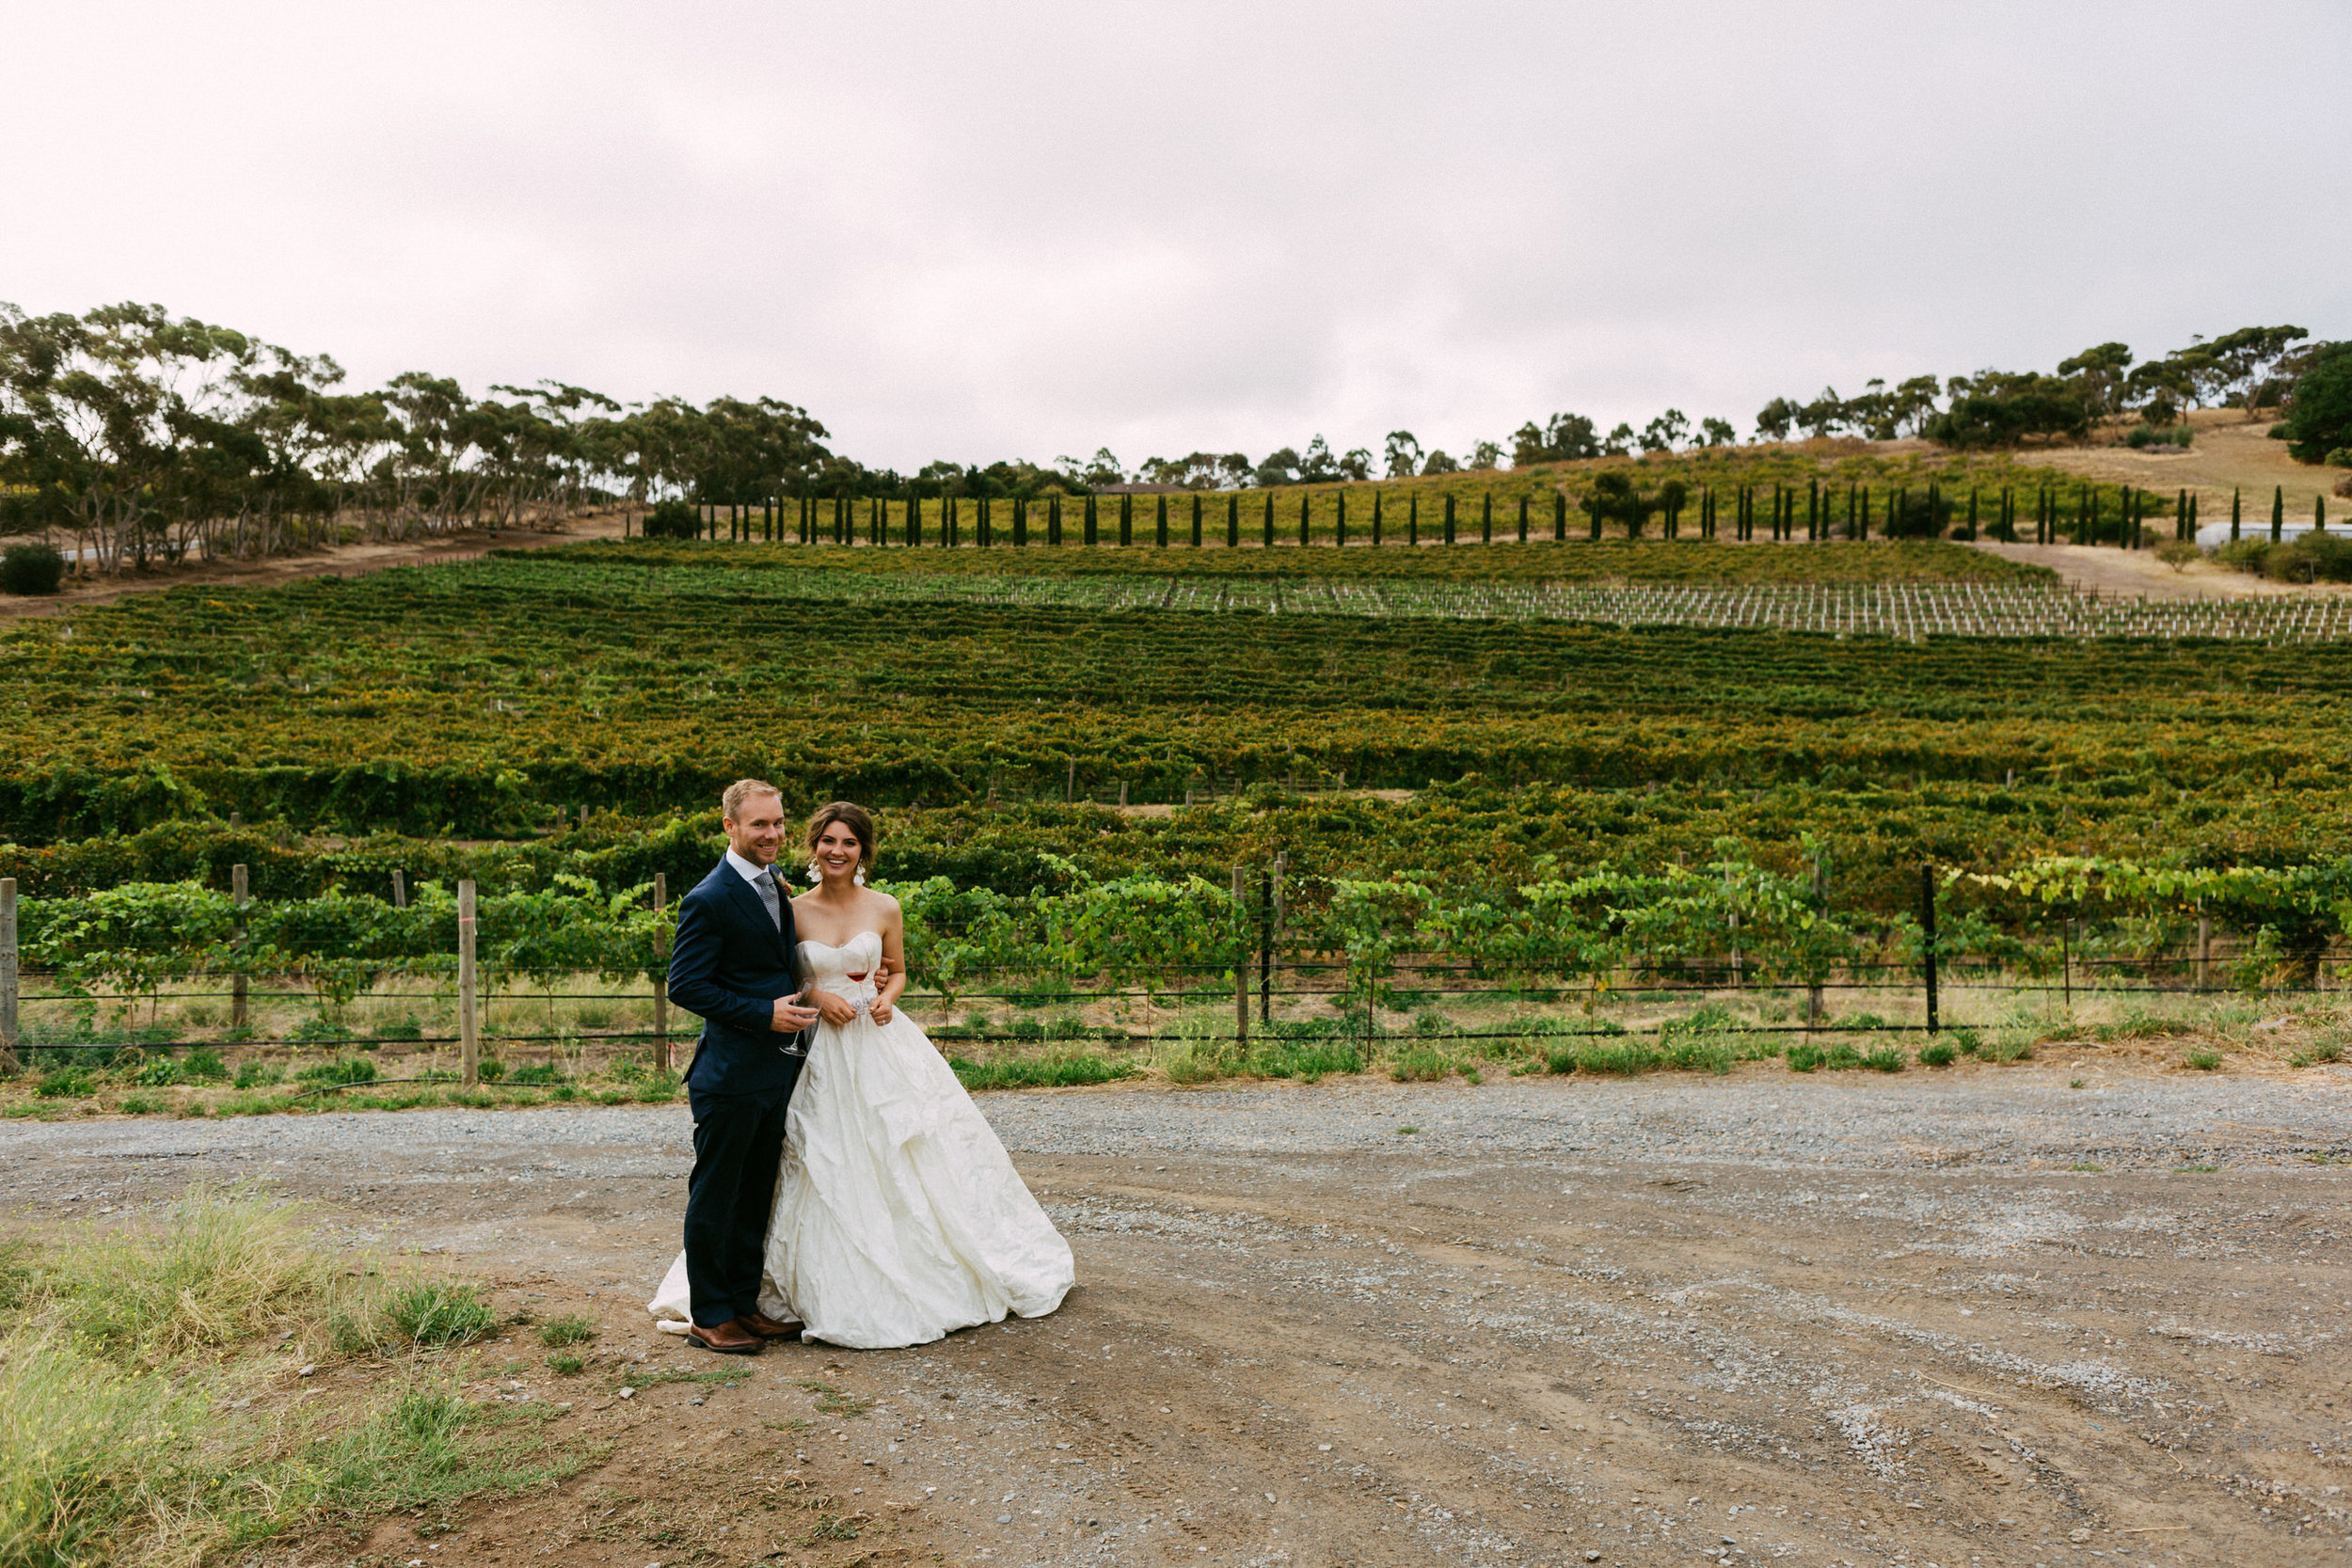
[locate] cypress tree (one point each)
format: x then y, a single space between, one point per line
1091 523
1559 516
1232 521
1269 519
1486 519
1159 532
1127 519
2319 513
1375 519
2180 517
2236 514
1053 520
1449 516
1195 520
1305 500
1522 519
1412 517
2278 512
1019 522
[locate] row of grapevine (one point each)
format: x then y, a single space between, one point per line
1159 933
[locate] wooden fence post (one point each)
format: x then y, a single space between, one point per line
1812 990
468 1025
1241 960
1927 935
2204 949
662 979
400 890
8 974
237 995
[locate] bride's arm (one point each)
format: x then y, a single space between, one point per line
893 981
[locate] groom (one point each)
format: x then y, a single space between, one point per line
736 962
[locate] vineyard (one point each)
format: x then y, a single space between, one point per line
1536 794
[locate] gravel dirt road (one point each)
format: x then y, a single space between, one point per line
1966 1317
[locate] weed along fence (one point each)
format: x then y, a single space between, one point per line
1606 503
559 993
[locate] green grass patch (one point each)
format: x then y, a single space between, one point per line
146 1413
439 1312
570 1329
1042 1073
2203 1061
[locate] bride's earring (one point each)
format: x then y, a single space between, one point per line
813 877
860 876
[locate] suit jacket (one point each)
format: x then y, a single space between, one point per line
729 963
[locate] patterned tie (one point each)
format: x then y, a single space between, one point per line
769 896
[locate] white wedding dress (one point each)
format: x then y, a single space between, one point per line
898 1218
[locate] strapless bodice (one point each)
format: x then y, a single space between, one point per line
827 967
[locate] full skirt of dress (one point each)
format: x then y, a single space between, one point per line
899 1217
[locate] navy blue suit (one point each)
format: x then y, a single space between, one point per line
729 963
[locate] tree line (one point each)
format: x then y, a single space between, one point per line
2253 367
147 439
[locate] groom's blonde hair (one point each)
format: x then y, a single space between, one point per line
731 803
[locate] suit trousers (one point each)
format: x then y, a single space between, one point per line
738 1156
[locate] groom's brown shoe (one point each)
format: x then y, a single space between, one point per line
728 1338
765 1327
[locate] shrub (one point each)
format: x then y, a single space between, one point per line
673 520
537 1073
1938 1054
2203 1061
253 1072
203 1066
2179 553
32 569
565 1364
435 1312
1886 1058
490 1069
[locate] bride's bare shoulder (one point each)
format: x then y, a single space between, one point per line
882 904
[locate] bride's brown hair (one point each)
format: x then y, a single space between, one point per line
850 815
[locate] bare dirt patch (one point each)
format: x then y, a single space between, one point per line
2230 454
1969 1316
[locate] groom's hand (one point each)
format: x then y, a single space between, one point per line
791 1017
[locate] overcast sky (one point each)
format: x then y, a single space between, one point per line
1025 229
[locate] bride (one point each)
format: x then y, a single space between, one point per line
898 1219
